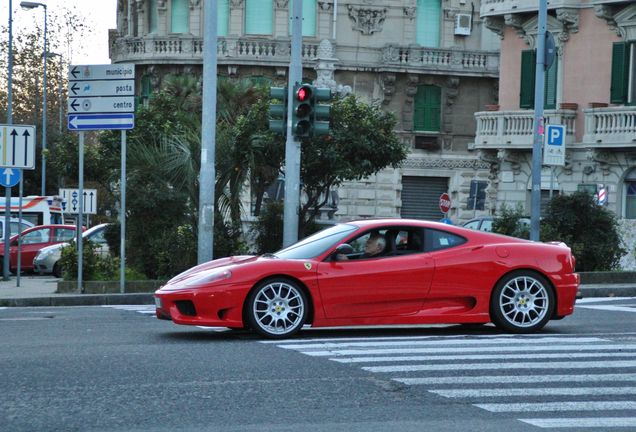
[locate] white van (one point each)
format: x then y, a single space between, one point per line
39 210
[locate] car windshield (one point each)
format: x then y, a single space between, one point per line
318 243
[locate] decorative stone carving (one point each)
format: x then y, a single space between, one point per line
515 21
626 21
495 24
387 84
161 5
367 20
390 54
281 72
325 5
194 4
409 12
282 4
569 18
452 90
443 163
602 158
512 157
606 12
232 71
236 3
140 6
325 66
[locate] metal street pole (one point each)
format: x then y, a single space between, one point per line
122 218
292 145
44 108
80 216
535 201
207 174
7 199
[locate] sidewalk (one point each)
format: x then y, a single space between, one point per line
40 291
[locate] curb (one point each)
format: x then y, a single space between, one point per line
80 300
608 290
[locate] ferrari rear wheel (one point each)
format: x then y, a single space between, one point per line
522 302
277 308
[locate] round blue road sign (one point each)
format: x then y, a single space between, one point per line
10 177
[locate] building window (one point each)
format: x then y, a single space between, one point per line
222 17
427 23
179 16
623 88
146 90
427 108
477 197
587 188
630 195
528 71
258 17
152 16
309 17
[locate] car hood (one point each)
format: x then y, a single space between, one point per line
214 266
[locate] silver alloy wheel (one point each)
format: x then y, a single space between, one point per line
278 308
524 301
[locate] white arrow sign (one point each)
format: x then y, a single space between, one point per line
102 104
101 72
72 199
102 88
17 146
101 121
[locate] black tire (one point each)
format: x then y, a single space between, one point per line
522 302
276 308
57 270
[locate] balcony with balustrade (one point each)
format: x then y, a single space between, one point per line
514 129
611 127
504 7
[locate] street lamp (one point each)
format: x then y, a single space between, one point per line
26 5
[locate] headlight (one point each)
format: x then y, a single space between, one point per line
201 279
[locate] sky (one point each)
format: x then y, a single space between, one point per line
100 15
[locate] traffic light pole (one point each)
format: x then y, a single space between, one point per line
292 145
535 195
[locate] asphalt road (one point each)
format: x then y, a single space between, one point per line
118 368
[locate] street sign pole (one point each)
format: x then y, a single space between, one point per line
535 201
122 218
19 270
292 145
80 215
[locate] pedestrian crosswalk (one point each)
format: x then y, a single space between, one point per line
548 381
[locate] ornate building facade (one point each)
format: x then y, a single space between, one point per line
590 88
430 62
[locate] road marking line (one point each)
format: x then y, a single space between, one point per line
603 299
499 349
558 406
483 357
610 308
521 379
598 422
499 366
553 391
551 340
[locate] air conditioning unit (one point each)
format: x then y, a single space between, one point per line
463 22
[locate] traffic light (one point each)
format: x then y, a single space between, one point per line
322 112
302 110
278 111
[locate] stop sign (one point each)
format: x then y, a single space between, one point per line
444 203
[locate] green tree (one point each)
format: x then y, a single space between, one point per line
590 230
510 222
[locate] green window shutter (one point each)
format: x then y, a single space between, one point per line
427 22
309 17
152 16
179 16
427 108
528 67
618 89
550 93
222 17
258 17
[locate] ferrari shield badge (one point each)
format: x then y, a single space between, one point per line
308 266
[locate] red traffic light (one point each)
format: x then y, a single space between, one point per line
303 94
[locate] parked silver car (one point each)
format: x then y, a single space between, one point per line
47 259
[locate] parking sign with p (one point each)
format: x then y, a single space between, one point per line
554 148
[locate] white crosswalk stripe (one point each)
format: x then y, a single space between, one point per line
565 381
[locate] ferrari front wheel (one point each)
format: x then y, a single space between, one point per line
277 308
522 302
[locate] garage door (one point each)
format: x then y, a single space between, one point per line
420 197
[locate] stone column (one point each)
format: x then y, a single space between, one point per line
236 18
140 7
196 13
281 18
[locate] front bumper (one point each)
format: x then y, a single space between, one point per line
218 307
43 265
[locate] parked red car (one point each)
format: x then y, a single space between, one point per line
34 239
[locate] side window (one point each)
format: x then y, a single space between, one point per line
486 225
37 236
472 225
371 244
63 234
438 240
98 237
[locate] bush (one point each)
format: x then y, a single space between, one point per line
590 230
94 267
269 228
509 222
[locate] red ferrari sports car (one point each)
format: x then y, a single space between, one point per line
380 272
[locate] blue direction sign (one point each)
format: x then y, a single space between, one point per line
10 177
101 121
